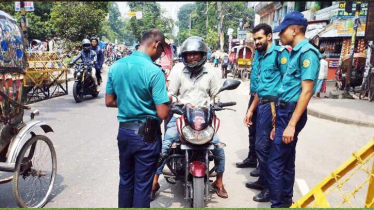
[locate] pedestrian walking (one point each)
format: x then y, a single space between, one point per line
137 87
271 62
294 94
321 77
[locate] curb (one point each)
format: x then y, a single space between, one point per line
338 119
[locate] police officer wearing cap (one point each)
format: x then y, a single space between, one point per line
270 63
294 94
137 87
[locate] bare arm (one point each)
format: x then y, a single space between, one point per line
111 101
162 111
306 94
248 117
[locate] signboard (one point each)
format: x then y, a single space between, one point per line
131 14
345 27
242 34
29 6
139 15
342 13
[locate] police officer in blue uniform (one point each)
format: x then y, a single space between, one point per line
137 87
271 63
251 160
294 94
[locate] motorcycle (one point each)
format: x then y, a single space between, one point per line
189 157
84 83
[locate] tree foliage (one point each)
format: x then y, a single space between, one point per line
152 18
75 21
205 19
115 27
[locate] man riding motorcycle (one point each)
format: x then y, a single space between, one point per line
196 85
100 58
87 56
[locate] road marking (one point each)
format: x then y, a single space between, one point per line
303 186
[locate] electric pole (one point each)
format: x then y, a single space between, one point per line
189 31
357 23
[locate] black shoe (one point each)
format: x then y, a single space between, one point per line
247 163
263 196
254 185
255 173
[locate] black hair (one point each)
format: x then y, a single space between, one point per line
262 26
153 35
302 29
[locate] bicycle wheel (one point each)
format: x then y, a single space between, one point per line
35 172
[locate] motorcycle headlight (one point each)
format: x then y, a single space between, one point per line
197 137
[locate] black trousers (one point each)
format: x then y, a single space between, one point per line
252 131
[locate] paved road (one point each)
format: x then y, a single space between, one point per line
85 141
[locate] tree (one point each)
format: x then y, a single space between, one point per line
184 20
152 18
115 27
38 20
74 21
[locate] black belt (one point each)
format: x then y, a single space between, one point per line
130 126
284 105
268 99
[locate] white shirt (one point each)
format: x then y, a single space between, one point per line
198 91
323 69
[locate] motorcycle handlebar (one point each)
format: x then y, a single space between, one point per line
227 104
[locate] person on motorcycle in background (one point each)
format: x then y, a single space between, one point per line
195 84
87 56
100 58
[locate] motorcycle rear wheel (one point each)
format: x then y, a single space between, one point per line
198 192
78 96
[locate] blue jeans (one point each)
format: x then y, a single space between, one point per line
138 162
264 127
172 135
281 160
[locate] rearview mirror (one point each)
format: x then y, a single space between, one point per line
229 84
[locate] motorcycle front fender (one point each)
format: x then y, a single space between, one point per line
23 136
197 169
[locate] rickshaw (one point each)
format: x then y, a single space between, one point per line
357 72
242 68
26 153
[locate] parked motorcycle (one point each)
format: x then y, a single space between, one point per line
84 83
189 157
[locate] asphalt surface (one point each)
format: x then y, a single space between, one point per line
87 154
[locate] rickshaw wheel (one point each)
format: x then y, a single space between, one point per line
35 172
244 75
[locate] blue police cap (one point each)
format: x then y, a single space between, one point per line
292 18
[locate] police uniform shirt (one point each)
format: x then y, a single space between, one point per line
303 65
254 75
271 66
139 86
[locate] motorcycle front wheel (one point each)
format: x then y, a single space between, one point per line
198 192
77 93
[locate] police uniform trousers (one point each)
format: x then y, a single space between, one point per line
282 158
138 163
252 130
264 128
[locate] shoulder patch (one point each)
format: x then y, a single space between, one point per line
306 63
